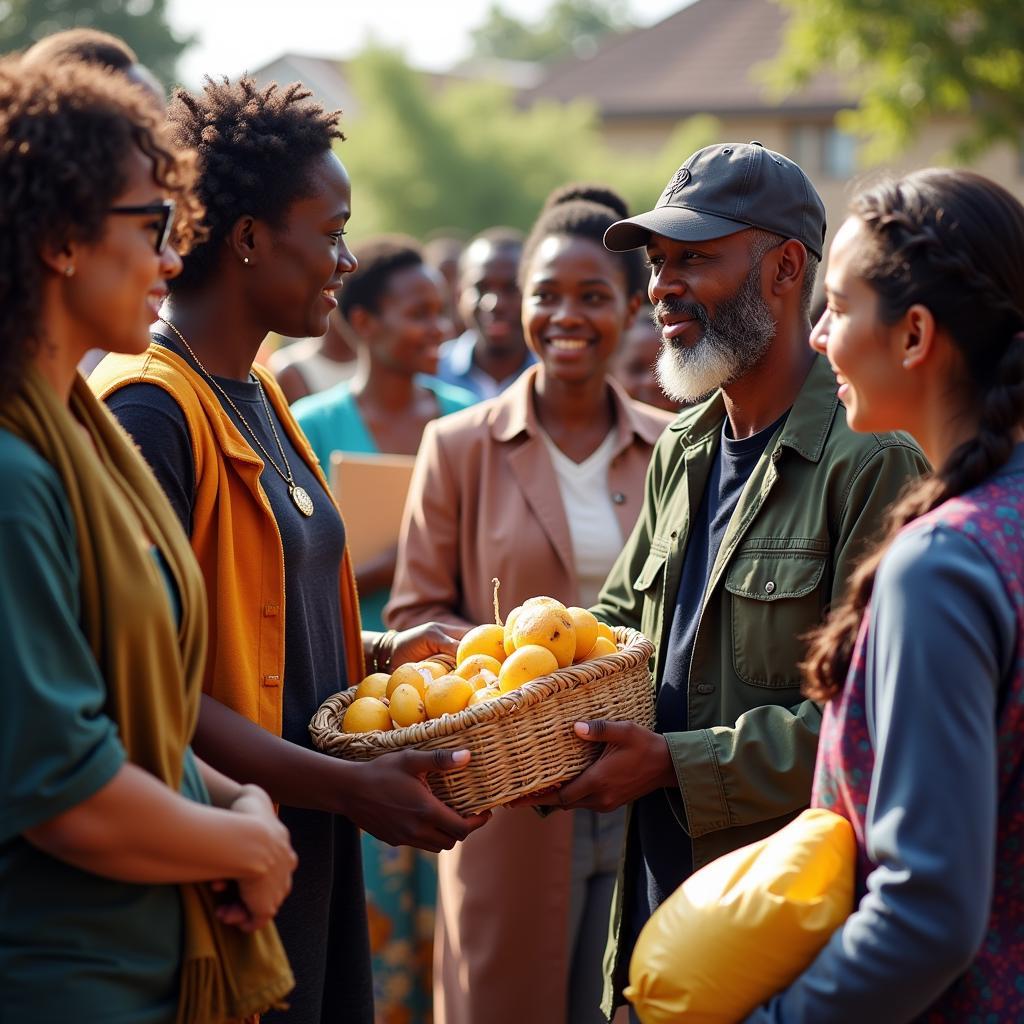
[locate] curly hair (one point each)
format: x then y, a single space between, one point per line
953 242
585 211
380 259
65 135
255 147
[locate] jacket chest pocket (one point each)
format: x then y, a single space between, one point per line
650 583
776 598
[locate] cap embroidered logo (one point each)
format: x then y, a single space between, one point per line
679 181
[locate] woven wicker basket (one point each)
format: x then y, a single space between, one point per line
522 741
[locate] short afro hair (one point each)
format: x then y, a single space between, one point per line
66 133
254 146
380 258
600 194
585 211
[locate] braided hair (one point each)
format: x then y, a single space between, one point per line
585 211
952 241
255 147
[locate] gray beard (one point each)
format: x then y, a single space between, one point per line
730 345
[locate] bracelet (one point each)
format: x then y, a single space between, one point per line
383 640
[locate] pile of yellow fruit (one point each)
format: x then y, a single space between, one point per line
538 637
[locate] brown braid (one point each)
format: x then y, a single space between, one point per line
954 242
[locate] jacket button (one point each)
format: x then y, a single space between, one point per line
705 687
619 498
769 587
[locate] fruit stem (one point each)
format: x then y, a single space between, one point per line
497 614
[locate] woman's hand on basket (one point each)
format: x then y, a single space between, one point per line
393 803
421 642
634 762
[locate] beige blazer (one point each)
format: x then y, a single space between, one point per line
484 502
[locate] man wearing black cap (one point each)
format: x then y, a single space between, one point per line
759 501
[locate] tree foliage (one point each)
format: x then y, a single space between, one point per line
141 23
567 27
468 157
911 61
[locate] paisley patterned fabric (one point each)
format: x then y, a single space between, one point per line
992 989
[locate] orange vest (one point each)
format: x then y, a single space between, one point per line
236 539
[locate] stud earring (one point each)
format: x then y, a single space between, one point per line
906 364
245 260
69 270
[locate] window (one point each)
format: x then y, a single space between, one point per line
840 158
822 149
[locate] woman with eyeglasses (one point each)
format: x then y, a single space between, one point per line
136 882
246 485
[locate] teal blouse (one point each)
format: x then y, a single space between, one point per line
332 422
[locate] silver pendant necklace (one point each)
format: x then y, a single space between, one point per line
299 495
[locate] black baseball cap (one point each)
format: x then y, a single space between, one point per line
726 188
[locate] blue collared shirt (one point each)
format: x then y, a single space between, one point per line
457 367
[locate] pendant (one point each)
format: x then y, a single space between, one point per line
303 502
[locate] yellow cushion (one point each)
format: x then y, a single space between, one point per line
745 926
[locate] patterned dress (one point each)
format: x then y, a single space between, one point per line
991 517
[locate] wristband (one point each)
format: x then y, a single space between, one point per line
384 640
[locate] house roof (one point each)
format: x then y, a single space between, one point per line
702 59
328 77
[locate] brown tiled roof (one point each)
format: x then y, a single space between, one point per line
701 59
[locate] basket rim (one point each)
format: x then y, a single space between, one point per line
326 722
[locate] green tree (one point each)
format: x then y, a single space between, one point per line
910 61
141 23
470 157
568 27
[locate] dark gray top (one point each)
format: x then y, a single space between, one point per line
943 636
323 921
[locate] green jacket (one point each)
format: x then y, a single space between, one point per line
814 499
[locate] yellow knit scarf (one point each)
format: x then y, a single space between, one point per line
153 671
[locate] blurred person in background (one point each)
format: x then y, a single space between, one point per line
111 826
245 484
442 251
100 49
539 487
635 363
394 306
491 353
307 366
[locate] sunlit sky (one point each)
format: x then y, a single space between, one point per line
237 35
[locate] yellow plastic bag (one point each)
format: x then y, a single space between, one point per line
745 926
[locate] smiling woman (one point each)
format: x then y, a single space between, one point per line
922 661
108 821
246 485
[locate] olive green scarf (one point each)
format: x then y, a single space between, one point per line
152 670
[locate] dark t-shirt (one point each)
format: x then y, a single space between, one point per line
323 921
666 856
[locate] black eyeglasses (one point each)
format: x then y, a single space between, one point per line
164 210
